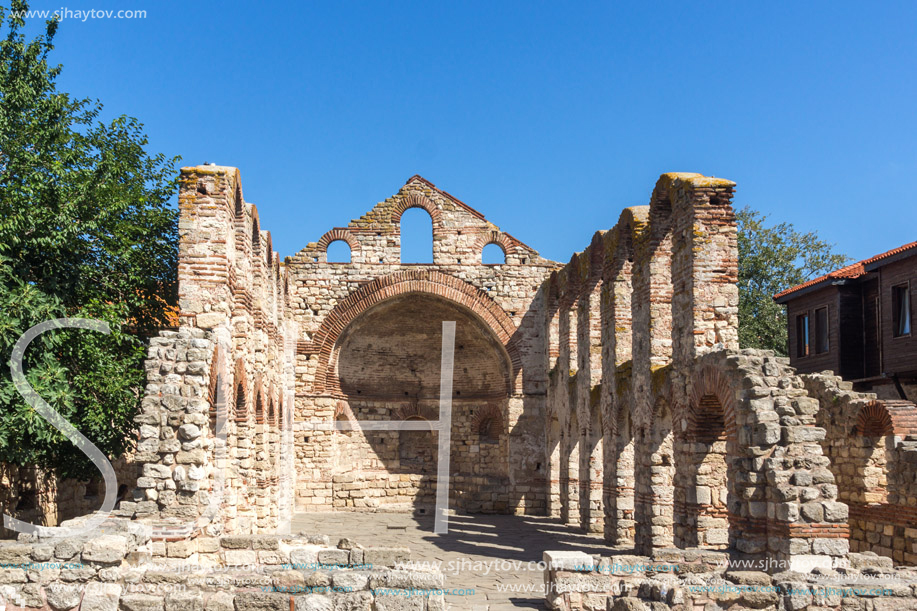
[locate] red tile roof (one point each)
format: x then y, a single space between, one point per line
854 270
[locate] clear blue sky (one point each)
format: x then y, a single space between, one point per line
547 117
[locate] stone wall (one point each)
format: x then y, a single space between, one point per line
661 433
35 496
678 579
872 445
217 409
370 346
126 569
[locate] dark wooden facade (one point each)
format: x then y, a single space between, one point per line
850 321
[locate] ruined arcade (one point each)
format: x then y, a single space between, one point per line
608 392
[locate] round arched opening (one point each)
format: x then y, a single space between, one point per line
388 367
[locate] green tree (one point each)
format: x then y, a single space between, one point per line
86 229
771 259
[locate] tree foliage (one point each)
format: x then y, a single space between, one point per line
86 230
771 259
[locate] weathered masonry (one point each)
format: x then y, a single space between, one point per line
608 392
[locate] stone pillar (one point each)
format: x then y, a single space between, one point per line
617 497
705 301
587 380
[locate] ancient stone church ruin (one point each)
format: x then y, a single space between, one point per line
608 392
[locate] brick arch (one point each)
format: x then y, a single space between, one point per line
268 249
339 234
401 283
217 375
880 418
412 410
256 229
553 295
271 416
632 225
240 392
416 200
873 420
712 396
238 201
597 256
569 283
506 244
258 396
488 421
663 396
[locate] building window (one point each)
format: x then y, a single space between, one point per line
802 335
821 330
901 310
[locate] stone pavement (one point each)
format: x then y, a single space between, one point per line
496 556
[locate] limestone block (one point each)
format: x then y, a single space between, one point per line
184 601
220 601
350 580
363 601
262 601
101 597
386 556
105 549
141 602
62 597
395 602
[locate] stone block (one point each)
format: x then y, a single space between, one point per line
350 580
107 549
220 601
395 602
626 603
568 561
314 602
385 556
62 597
181 549
240 557
236 542
335 557
11 576
67 549
363 601
101 597
141 602
262 601
185 601
406 580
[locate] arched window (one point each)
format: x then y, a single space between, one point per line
241 412
259 407
493 255
416 236
338 252
487 423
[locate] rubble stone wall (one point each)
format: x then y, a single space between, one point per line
126 569
35 496
691 442
704 579
872 445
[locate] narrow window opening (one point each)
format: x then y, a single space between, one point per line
338 252
901 310
821 330
416 236
493 255
802 335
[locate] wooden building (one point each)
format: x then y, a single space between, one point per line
858 322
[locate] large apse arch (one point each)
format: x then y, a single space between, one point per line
386 366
